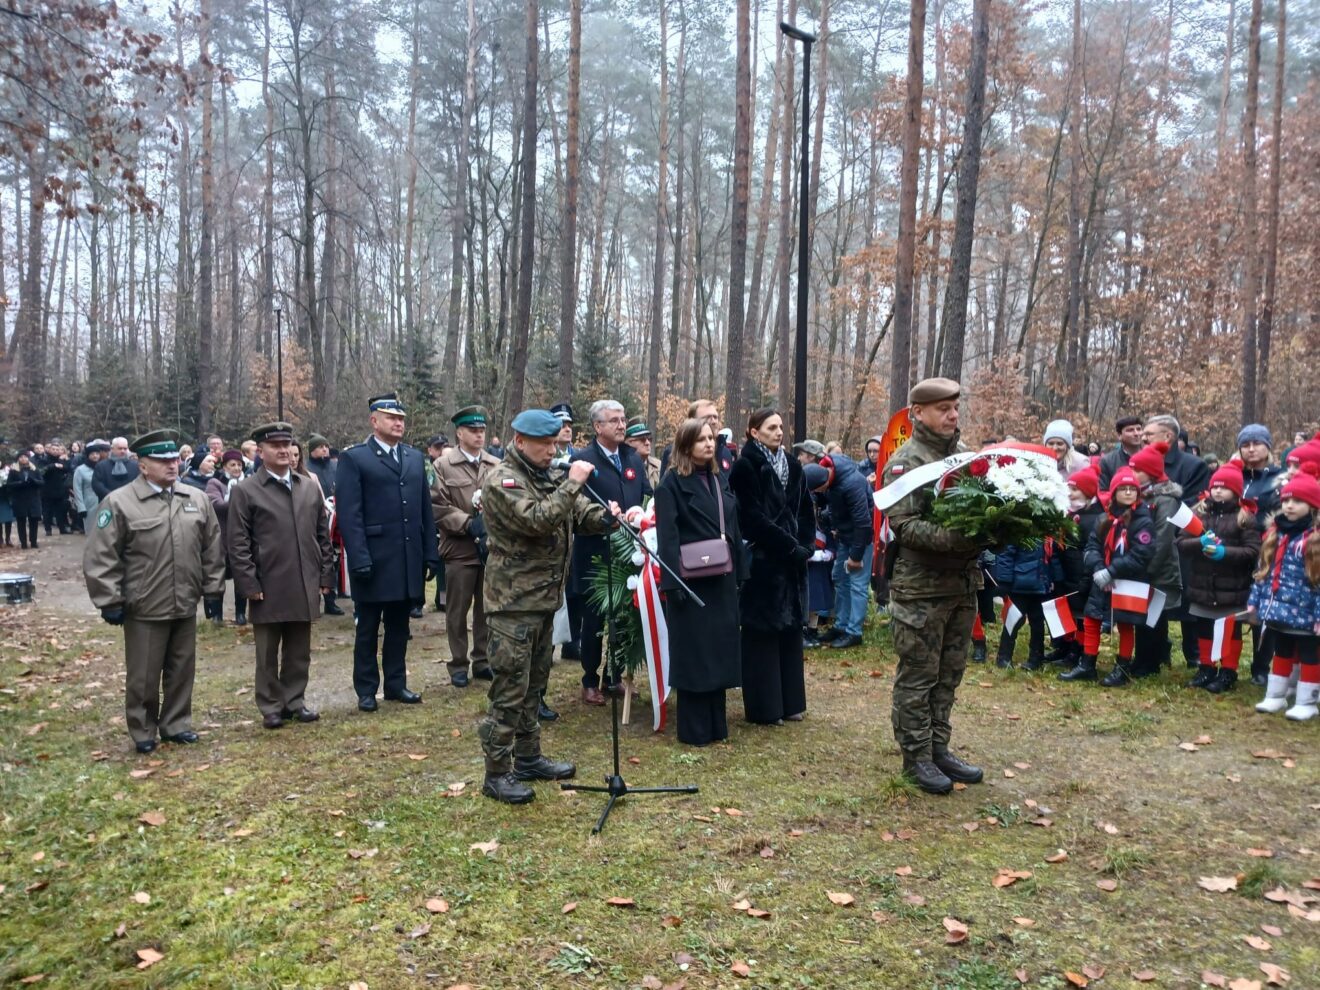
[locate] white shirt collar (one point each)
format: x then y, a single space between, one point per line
155 487
286 478
387 447
607 450
471 458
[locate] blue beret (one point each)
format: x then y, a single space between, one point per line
537 423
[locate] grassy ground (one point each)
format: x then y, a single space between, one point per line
306 857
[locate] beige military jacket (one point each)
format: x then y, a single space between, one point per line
456 480
154 554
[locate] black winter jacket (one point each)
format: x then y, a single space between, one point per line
779 525
1130 555
1224 583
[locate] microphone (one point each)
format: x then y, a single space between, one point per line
564 463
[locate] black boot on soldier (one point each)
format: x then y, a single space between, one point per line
927 776
957 770
1120 676
1084 671
507 788
541 768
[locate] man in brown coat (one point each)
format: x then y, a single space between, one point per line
282 563
459 473
153 550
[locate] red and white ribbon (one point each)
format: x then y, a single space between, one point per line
655 637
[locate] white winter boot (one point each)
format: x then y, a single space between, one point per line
1308 702
1276 695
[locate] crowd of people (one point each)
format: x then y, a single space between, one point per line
771 550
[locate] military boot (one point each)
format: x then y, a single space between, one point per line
1206 674
544 713
507 788
1120 675
539 768
956 769
978 651
1084 671
927 776
1223 681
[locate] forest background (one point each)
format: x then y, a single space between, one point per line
1077 208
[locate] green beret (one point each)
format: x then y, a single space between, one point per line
537 423
160 444
469 416
930 390
278 432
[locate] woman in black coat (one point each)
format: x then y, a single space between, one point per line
703 642
24 485
776 517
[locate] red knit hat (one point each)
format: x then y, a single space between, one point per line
1230 476
1304 486
1150 461
1086 481
1308 452
1123 476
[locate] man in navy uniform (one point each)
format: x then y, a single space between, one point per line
383 510
620 477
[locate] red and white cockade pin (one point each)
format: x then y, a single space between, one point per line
629 474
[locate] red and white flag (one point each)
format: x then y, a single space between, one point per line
1186 519
1012 616
1059 617
1223 633
1131 596
655 636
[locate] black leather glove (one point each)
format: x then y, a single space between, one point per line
433 571
362 575
801 555
476 528
114 616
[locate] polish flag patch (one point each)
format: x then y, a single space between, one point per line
508 482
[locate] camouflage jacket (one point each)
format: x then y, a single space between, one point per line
530 519
931 561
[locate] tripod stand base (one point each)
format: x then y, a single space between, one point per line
616 787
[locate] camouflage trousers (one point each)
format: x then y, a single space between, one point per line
931 638
519 650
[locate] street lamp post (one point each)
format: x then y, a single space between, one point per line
279 364
804 248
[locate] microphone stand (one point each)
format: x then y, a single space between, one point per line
615 786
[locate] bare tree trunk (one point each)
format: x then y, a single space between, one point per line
1071 334
1266 328
410 335
231 237
463 171
568 273
661 223
267 196
676 289
954 325
527 247
742 160
32 345
901 344
783 347
1251 224
205 308
754 297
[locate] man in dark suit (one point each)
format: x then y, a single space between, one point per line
383 511
620 477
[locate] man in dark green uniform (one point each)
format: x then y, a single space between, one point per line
530 516
932 598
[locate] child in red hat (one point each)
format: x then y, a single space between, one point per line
1286 597
1085 509
1218 565
1119 548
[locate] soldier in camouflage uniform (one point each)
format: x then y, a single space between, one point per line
530 517
932 599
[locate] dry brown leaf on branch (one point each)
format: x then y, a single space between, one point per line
1275 976
148 957
839 898
1217 885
